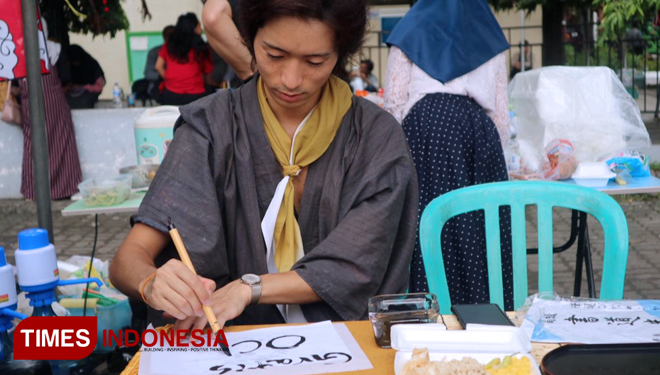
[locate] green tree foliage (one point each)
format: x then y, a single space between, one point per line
96 17
618 15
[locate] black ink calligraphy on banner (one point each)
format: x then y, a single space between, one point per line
574 320
621 320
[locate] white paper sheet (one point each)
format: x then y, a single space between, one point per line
294 350
139 43
592 321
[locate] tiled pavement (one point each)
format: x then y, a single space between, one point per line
74 235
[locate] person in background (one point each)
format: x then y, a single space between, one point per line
150 73
234 176
184 63
365 73
448 87
516 62
87 79
63 162
221 25
222 76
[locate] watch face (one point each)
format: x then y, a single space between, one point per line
251 279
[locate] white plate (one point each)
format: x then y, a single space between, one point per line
481 342
483 358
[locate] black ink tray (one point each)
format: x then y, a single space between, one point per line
603 359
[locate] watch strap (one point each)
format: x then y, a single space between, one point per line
256 293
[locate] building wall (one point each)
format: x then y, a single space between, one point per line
111 52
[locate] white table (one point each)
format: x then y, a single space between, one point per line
639 185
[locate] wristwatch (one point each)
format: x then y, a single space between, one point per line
254 281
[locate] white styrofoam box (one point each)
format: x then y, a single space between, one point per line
481 342
595 174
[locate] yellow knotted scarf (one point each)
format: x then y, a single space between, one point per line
310 143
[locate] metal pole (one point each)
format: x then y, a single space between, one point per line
522 41
37 117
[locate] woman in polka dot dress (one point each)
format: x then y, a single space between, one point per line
446 83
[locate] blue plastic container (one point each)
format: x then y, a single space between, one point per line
113 317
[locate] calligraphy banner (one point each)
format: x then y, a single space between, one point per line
317 348
590 321
12 42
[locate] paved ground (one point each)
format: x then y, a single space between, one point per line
74 235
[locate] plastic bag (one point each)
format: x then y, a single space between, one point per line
635 163
561 160
81 263
586 105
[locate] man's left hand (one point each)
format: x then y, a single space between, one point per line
227 303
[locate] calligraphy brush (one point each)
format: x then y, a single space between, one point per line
183 254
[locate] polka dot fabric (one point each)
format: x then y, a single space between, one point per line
454 144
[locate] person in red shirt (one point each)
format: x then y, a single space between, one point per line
184 63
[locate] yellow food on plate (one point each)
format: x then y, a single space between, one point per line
420 364
509 365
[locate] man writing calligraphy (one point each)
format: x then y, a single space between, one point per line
297 201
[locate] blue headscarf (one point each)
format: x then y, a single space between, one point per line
449 38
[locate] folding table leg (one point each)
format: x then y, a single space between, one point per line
589 267
584 253
579 256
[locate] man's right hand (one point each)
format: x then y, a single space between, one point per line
178 291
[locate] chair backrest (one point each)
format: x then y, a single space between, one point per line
517 195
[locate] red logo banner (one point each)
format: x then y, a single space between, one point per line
59 337
12 42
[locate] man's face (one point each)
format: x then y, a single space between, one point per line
295 59
364 68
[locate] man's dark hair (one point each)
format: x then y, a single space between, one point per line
348 19
369 63
167 31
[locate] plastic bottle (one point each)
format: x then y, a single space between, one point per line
116 95
38 275
8 306
512 149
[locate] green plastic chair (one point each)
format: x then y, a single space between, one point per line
518 194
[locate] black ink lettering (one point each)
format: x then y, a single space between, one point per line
627 321
224 370
271 343
337 355
303 359
654 321
574 320
260 366
286 361
246 341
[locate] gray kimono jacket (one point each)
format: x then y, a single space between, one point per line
358 215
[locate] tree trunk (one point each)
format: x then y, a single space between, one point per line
553 33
